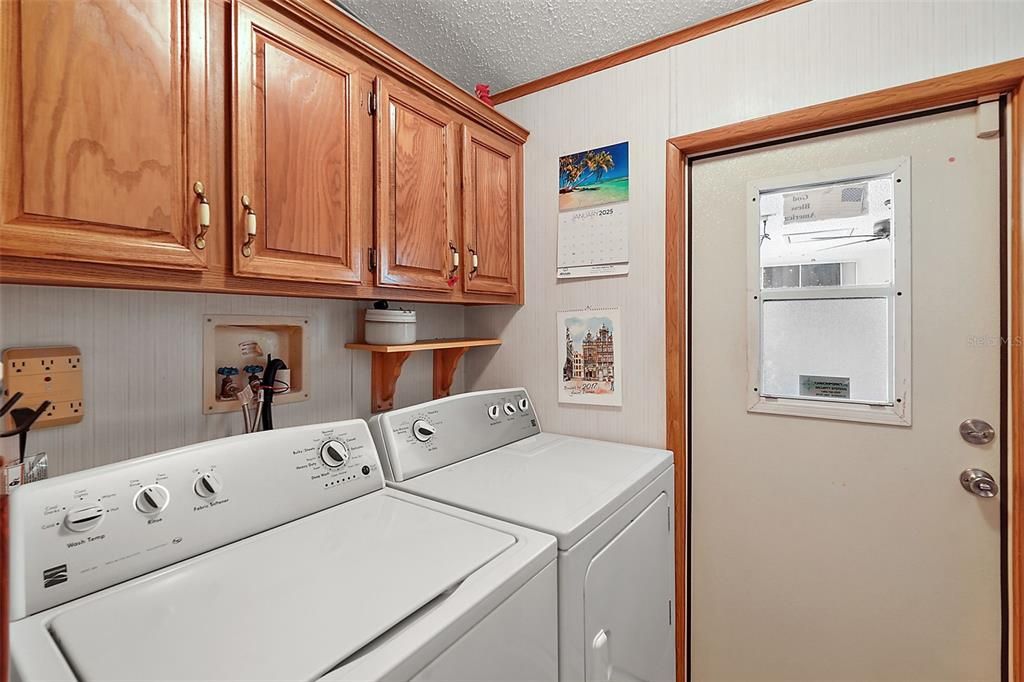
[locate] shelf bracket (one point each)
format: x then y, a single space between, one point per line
385 368
446 360
387 360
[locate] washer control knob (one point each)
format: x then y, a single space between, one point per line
510 409
524 404
493 411
208 485
334 453
152 499
423 430
86 517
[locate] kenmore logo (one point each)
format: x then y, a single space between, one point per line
55 576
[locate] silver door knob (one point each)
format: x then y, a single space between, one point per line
980 483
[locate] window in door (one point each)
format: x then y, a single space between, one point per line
829 278
808 275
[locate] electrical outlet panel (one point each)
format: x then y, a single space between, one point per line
51 373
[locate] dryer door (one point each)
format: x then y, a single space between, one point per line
627 602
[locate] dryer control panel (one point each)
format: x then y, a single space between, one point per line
76 534
418 439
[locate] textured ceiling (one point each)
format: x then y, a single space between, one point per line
508 42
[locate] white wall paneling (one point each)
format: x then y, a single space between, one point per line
142 349
631 104
142 361
812 53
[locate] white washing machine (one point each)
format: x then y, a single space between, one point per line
609 505
271 556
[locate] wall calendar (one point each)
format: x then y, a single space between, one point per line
593 212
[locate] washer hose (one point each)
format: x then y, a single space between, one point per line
269 377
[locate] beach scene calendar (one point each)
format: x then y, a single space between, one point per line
593 212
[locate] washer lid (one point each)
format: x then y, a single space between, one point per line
291 603
560 485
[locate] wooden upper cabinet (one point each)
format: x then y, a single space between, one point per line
491 218
131 131
416 176
303 154
103 130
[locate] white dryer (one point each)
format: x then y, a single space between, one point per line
610 506
271 556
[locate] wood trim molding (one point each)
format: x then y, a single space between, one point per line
1017 380
675 373
902 99
684 35
1006 77
217 280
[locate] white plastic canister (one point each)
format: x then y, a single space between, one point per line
391 327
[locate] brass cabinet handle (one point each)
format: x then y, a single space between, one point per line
474 261
455 258
250 226
202 215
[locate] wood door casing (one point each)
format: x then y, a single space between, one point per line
901 99
415 189
104 131
491 222
806 531
300 131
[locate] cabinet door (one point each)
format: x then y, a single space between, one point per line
299 130
490 212
415 190
104 130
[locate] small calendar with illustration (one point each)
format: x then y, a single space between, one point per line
590 357
593 212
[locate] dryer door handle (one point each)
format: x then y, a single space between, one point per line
602 646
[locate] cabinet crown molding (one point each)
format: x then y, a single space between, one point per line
329 19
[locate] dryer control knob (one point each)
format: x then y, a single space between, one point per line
152 499
208 485
334 453
493 411
524 404
510 409
86 517
423 430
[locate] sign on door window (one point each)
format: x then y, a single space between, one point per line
829 286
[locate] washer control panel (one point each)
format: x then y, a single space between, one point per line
415 440
76 534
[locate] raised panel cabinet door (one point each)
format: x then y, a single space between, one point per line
416 178
300 127
103 130
491 222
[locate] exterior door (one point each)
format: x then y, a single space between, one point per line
490 214
302 210
104 130
845 320
416 175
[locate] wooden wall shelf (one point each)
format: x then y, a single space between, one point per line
387 360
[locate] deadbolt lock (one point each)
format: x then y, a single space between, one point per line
977 431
